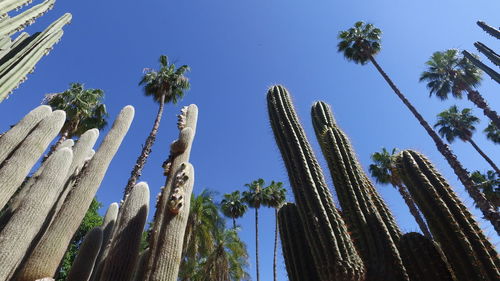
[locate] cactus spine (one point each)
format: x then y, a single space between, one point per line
46 256
492 73
87 254
332 249
123 254
374 231
489 53
298 258
172 207
469 253
25 223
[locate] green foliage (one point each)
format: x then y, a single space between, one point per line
453 123
489 184
493 133
91 220
382 169
232 206
275 195
255 195
360 43
449 72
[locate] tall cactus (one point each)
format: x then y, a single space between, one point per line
12 25
107 228
16 237
495 32
81 268
373 228
489 53
492 73
123 254
172 207
332 249
298 259
45 258
469 253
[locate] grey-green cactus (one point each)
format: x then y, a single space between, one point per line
489 53
172 207
17 235
469 253
495 32
372 226
333 251
87 254
123 254
492 73
107 228
141 266
45 258
10 5
12 25
298 259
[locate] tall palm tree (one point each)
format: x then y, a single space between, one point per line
489 183
453 123
165 85
492 133
383 170
276 197
232 206
255 197
84 110
360 44
449 72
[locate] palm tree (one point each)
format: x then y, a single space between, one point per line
276 197
255 197
232 206
383 170
489 183
165 85
84 110
453 123
449 72
492 133
360 44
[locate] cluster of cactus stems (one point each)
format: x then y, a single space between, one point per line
375 246
19 56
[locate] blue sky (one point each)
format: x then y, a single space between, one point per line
236 50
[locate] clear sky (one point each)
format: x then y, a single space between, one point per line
236 50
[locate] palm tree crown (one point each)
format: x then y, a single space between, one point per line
382 169
232 206
255 196
275 195
454 123
360 42
493 133
449 72
167 82
489 183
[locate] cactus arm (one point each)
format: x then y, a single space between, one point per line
87 254
141 266
10 5
495 32
19 22
489 53
492 73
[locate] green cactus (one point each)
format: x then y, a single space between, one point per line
492 73
413 248
10 26
469 253
373 228
172 207
17 235
495 32
15 170
298 258
45 258
489 53
10 5
107 228
333 251
87 254
141 266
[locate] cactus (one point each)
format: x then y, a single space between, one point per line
173 203
333 251
10 26
10 5
13 171
489 53
469 253
373 228
87 254
107 228
123 254
413 246
495 32
492 73
298 258
25 223
46 256
141 266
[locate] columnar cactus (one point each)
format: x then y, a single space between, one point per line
372 226
45 258
12 25
489 53
333 251
87 254
492 73
10 5
172 208
469 253
495 32
298 259
17 235
123 254
107 228
14 171
141 266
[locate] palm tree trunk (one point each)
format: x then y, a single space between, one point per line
275 244
257 242
485 156
234 223
488 210
478 100
414 211
62 138
146 150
